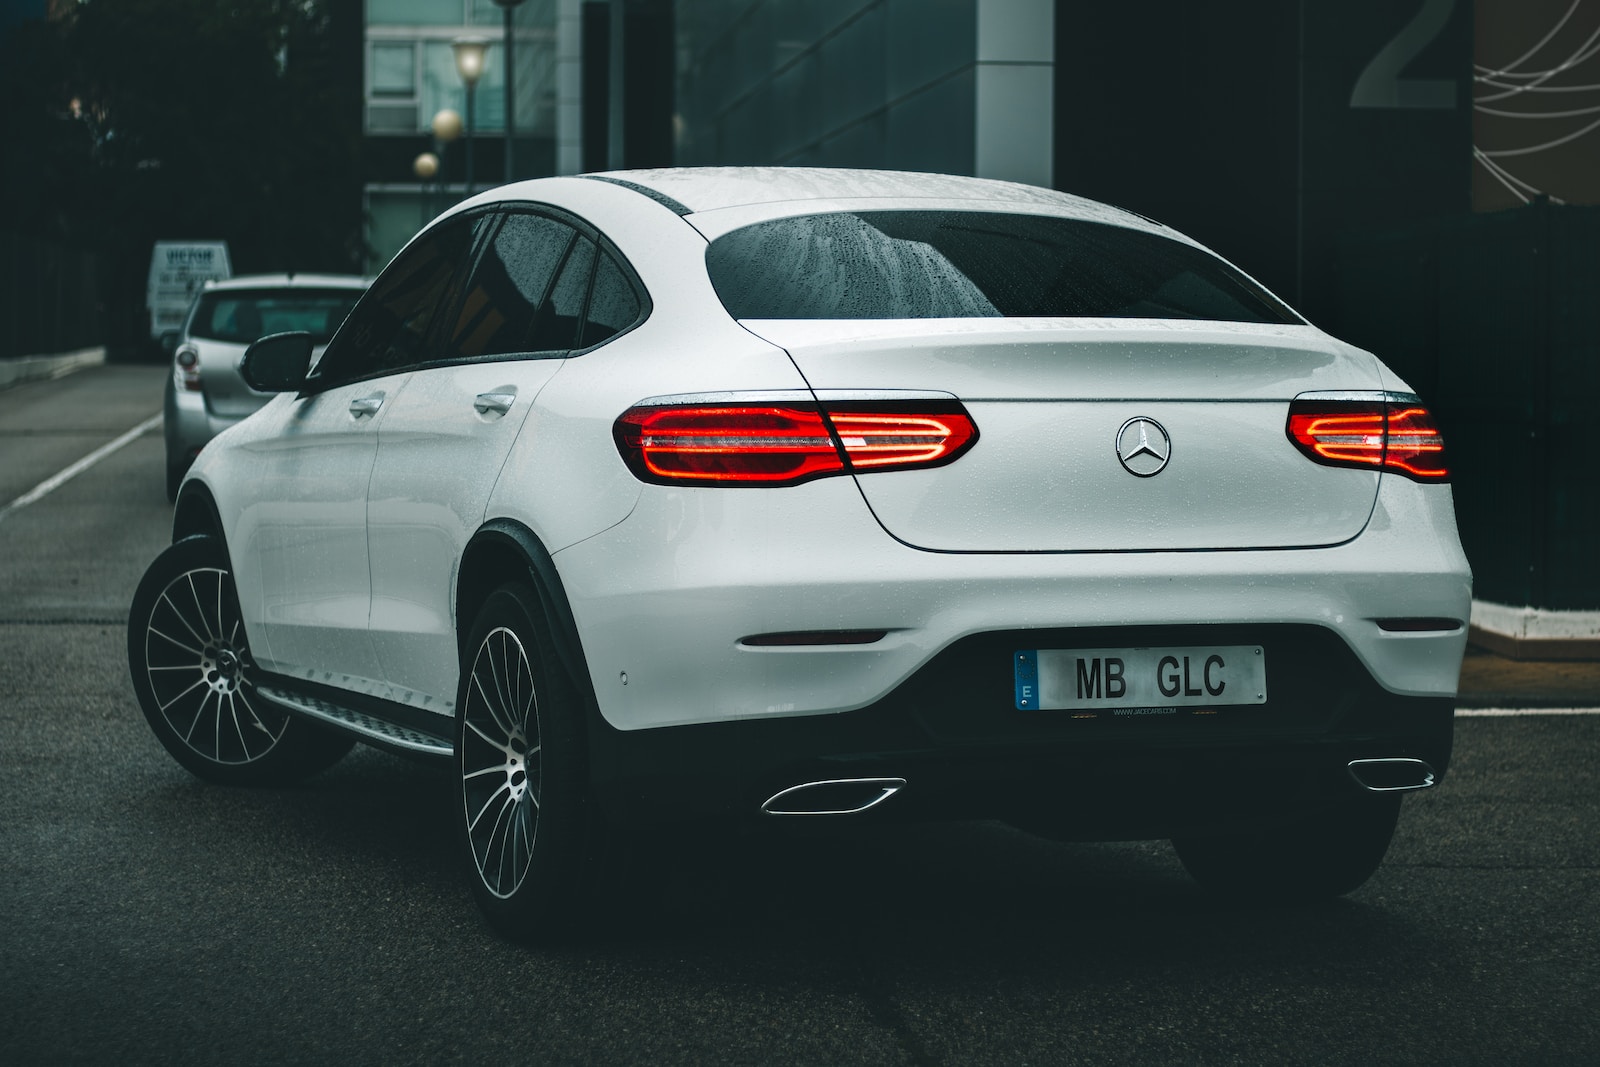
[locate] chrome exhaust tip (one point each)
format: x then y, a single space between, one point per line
1393 775
838 796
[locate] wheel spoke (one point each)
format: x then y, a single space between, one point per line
216 732
504 704
201 611
498 768
199 713
192 631
489 703
175 641
516 680
238 729
251 708
504 828
473 825
183 694
522 831
499 746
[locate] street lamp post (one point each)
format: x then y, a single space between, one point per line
470 56
507 6
425 167
445 127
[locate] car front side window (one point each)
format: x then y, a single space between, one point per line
390 328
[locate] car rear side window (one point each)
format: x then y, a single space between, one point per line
242 315
613 305
971 264
556 324
511 282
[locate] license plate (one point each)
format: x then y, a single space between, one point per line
1139 680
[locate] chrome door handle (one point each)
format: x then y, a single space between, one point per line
367 405
500 403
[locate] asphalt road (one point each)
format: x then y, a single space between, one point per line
148 918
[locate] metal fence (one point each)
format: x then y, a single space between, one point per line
1495 319
50 296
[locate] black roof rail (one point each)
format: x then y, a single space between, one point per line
661 198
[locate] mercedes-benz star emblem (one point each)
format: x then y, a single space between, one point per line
1143 447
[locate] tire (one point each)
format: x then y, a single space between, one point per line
195 678
524 817
174 480
1318 856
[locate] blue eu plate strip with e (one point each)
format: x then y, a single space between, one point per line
1026 665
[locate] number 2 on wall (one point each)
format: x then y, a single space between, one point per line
1380 84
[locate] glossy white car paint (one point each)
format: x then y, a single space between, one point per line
441 450
346 531
1049 396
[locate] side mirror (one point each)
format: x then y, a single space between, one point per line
169 342
277 363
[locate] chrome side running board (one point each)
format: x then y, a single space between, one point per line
838 796
1393 775
359 723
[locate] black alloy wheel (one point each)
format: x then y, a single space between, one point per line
194 677
520 755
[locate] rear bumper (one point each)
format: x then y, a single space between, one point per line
664 599
964 751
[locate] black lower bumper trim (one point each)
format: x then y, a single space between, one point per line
952 732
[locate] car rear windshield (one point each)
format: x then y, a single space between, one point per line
242 315
971 264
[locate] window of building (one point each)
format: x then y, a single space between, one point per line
392 87
416 13
394 68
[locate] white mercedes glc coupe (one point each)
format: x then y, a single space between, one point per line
807 494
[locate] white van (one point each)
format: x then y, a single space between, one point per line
177 271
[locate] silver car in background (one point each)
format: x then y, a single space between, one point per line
205 394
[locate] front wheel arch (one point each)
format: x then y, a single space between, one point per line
196 514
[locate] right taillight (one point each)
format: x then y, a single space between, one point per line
1381 431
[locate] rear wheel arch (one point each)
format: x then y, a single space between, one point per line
504 551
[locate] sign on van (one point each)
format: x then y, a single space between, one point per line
177 271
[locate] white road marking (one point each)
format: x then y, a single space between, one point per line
60 478
1463 713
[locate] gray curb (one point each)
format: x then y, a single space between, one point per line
32 368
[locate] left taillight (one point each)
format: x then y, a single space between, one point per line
756 444
1382 431
186 369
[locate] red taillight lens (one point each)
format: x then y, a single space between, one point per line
188 369
785 444
1381 434
896 439
1415 446
734 444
